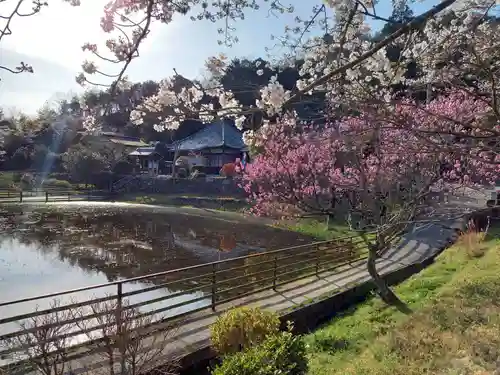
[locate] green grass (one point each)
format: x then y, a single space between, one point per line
318 229
7 180
11 181
454 328
315 228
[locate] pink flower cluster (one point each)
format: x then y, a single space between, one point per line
293 167
461 129
308 169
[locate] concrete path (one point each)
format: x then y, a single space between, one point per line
424 240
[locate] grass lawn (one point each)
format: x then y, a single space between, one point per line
318 229
454 328
7 180
12 181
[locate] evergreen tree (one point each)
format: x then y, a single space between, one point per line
401 14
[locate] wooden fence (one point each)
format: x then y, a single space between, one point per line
52 195
207 287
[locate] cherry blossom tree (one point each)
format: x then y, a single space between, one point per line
295 170
453 44
378 170
375 133
305 166
330 171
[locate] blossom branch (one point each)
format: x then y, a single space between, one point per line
416 22
6 30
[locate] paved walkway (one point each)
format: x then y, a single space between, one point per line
424 240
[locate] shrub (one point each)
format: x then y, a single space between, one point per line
57 184
7 180
145 200
27 181
241 328
123 167
16 177
280 353
84 187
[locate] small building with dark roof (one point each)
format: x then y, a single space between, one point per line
151 159
220 142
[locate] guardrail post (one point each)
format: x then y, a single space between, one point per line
119 305
69 196
119 325
21 196
88 195
317 261
8 194
275 271
46 196
214 286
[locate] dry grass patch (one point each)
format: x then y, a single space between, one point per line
458 333
472 241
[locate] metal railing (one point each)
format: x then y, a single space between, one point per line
158 298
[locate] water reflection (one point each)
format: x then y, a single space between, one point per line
28 270
44 250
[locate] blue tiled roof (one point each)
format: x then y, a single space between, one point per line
120 136
143 151
217 134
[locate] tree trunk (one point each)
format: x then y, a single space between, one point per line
385 292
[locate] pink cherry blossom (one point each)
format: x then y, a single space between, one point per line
309 168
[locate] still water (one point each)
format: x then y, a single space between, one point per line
51 248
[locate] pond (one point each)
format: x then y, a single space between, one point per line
54 247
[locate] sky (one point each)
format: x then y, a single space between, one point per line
51 42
